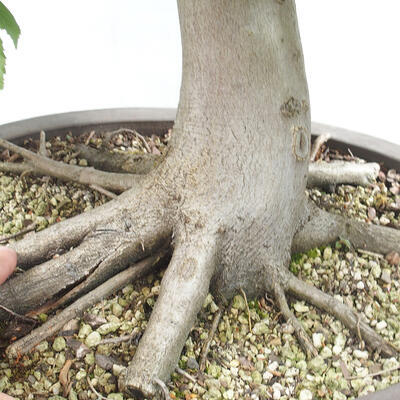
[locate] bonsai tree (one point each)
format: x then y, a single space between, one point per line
8 23
228 197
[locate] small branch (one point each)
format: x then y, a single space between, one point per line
117 340
289 316
107 193
29 228
19 316
247 308
207 344
359 333
186 375
341 311
341 172
371 253
163 387
384 371
42 144
133 132
318 142
54 324
99 396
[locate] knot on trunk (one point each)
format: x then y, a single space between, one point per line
300 143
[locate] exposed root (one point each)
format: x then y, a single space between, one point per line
323 174
318 142
247 308
19 316
42 144
163 387
133 232
109 135
289 316
84 175
182 293
119 162
342 312
323 227
17 168
206 347
28 229
107 193
99 396
53 325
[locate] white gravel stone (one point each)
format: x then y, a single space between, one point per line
276 395
337 349
326 352
363 355
338 396
375 269
327 253
301 307
229 394
318 339
305 394
357 276
93 339
381 325
360 285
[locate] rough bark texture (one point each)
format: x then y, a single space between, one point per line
236 168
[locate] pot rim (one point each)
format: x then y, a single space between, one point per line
154 120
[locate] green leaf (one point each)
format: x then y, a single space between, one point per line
9 24
2 65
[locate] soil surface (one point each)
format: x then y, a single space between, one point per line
253 353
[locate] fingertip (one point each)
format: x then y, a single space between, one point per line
8 262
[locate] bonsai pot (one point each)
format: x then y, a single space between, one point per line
158 121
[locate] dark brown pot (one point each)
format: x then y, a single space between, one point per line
150 121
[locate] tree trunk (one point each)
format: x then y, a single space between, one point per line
236 169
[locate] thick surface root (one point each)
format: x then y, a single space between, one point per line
120 234
323 227
36 247
140 164
324 174
183 290
342 312
53 325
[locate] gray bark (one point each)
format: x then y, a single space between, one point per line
323 227
236 169
323 174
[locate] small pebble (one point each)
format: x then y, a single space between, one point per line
318 339
360 285
59 343
363 355
305 394
93 339
386 275
381 325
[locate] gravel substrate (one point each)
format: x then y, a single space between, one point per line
265 362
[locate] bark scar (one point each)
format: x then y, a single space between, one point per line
300 143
